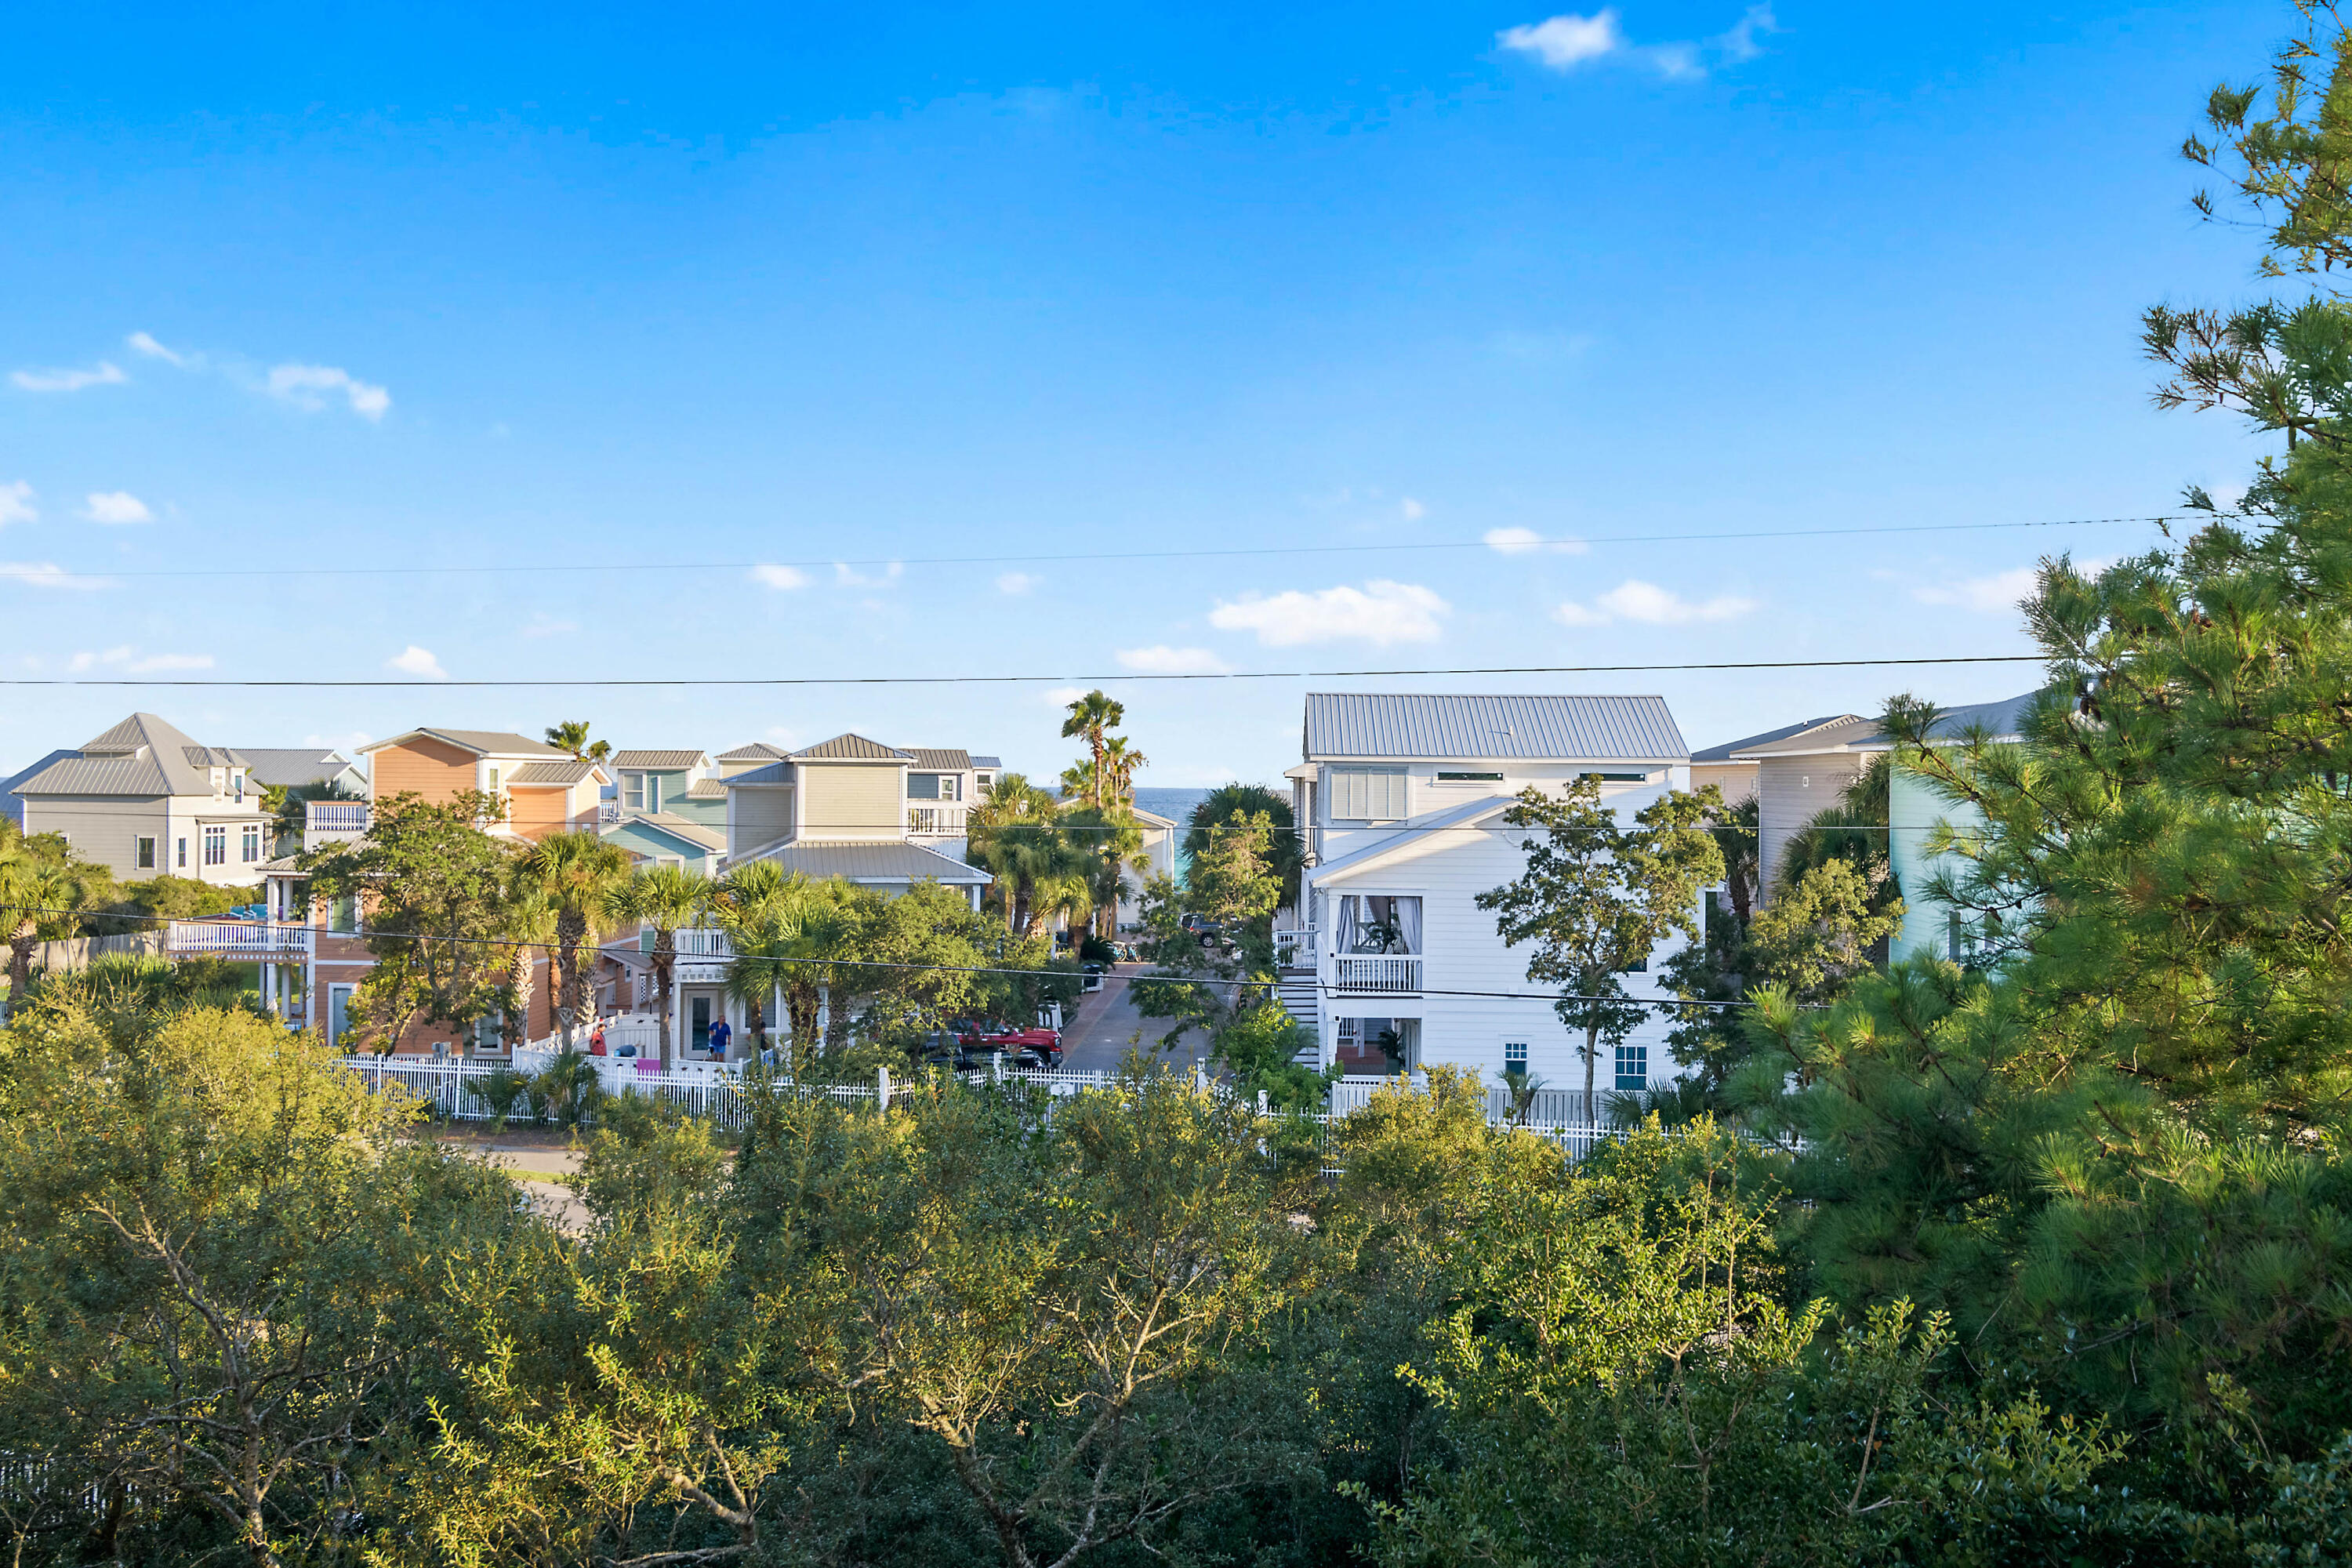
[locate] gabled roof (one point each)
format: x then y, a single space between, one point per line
2003 721
661 761
566 771
1730 750
758 750
295 766
773 773
1414 830
709 840
481 742
941 760
141 756
1833 737
883 861
850 748
708 789
1409 726
10 806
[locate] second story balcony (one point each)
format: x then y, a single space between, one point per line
333 821
1375 973
268 941
925 820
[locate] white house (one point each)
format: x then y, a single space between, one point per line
1402 797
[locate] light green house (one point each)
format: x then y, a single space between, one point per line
1914 808
669 808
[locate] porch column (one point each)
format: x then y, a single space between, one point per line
269 988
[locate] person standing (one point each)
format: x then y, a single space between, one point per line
719 1035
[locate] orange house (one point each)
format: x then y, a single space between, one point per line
544 790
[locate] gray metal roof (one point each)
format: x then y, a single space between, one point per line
708 789
850 748
883 861
564 772
10 806
2002 720
709 839
141 756
282 765
1725 752
1837 735
483 742
756 751
665 762
979 761
773 773
1433 726
946 760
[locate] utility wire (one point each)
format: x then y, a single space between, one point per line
509 944
784 680
1513 546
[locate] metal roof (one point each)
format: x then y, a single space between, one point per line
849 749
1729 749
10 806
1837 735
564 772
669 761
141 756
281 766
881 861
773 773
1433 726
2002 720
708 789
979 761
709 839
212 757
482 743
755 751
947 760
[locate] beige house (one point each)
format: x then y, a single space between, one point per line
849 807
145 800
1800 772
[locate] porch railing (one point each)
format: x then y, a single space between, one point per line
947 819
335 816
1388 974
1295 949
269 940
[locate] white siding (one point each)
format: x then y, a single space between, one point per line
1790 792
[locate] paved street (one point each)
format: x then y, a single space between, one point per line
1108 1027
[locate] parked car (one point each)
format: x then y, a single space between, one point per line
975 1041
1203 927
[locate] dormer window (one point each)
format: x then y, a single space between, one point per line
236 782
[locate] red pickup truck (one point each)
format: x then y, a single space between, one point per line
1045 1045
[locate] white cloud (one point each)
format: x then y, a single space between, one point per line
69 380
1379 613
1996 595
1527 542
769 576
16 503
117 506
414 660
47 574
1566 41
1634 600
142 343
1161 659
1014 582
301 386
129 661
848 578
1413 511
1061 696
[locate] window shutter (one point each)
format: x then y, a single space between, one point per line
1367 795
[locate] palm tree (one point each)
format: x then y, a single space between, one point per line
1002 835
1113 841
531 925
665 898
1092 719
783 926
1119 764
1229 802
572 736
575 873
38 897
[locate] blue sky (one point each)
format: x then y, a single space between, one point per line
394 287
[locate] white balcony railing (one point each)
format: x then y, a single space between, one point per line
1389 974
945 819
336 816
270 939
1295 949
708 943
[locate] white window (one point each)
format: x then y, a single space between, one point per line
338 1012
250 848
1617 778
633 791
934 786
184 854
215 846
1455 777
1367 795
984 780
146 854
236 782
494 779
1633 1068
1514 1055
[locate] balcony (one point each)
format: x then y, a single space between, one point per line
266 942
943 821
1295 949
333 821
1375 973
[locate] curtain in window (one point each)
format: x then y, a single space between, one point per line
1344 927
1408 924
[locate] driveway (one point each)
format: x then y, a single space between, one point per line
1108 1027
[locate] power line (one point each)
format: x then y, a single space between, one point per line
506 943
1510 546
1126 676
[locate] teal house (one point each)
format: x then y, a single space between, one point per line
1915 808
668 807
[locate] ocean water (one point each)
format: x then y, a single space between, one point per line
1175 805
